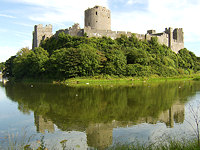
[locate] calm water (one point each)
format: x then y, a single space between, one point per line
96 117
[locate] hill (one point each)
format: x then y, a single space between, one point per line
66 56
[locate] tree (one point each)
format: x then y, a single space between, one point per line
30 64
65 56
2 66
186 59
116 63
135 55
38 60
8 71
90 61
64 63
20 65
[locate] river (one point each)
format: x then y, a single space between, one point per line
98 116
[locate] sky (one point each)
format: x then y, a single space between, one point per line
18 17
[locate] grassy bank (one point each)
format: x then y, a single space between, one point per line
170 144
116 80
108 80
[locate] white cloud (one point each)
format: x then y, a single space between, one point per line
26 43
64 3
22 34
60 11
132 2
23 24
7 16
179 13
7 52
3 30
161 14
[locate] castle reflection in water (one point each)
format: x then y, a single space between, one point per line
100 135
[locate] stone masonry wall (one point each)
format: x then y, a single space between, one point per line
177 46
163 39
98 18
40 33
108 33
178 40
75 30
174 39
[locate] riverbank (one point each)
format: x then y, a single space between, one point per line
170 144
108 80
104 80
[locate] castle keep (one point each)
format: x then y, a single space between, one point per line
98 24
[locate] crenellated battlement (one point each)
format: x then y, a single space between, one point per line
40 33
171 38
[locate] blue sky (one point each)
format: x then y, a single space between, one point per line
18 17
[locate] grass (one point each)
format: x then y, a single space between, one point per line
163 145
107 80
197 78
115 80
167 144
18 141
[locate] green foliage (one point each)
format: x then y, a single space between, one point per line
8 71
171 144
21 65
154 41
138 70
68 56
89 61
30 63
64 63
135 56
2 66
187 59
116 63
42 144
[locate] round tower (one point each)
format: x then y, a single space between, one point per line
98 18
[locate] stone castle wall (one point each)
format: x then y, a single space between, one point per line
175 114
75 30
43 124
174 39
98 24
177 46
108 33
40 33
178 40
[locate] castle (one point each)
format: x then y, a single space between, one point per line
98 24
